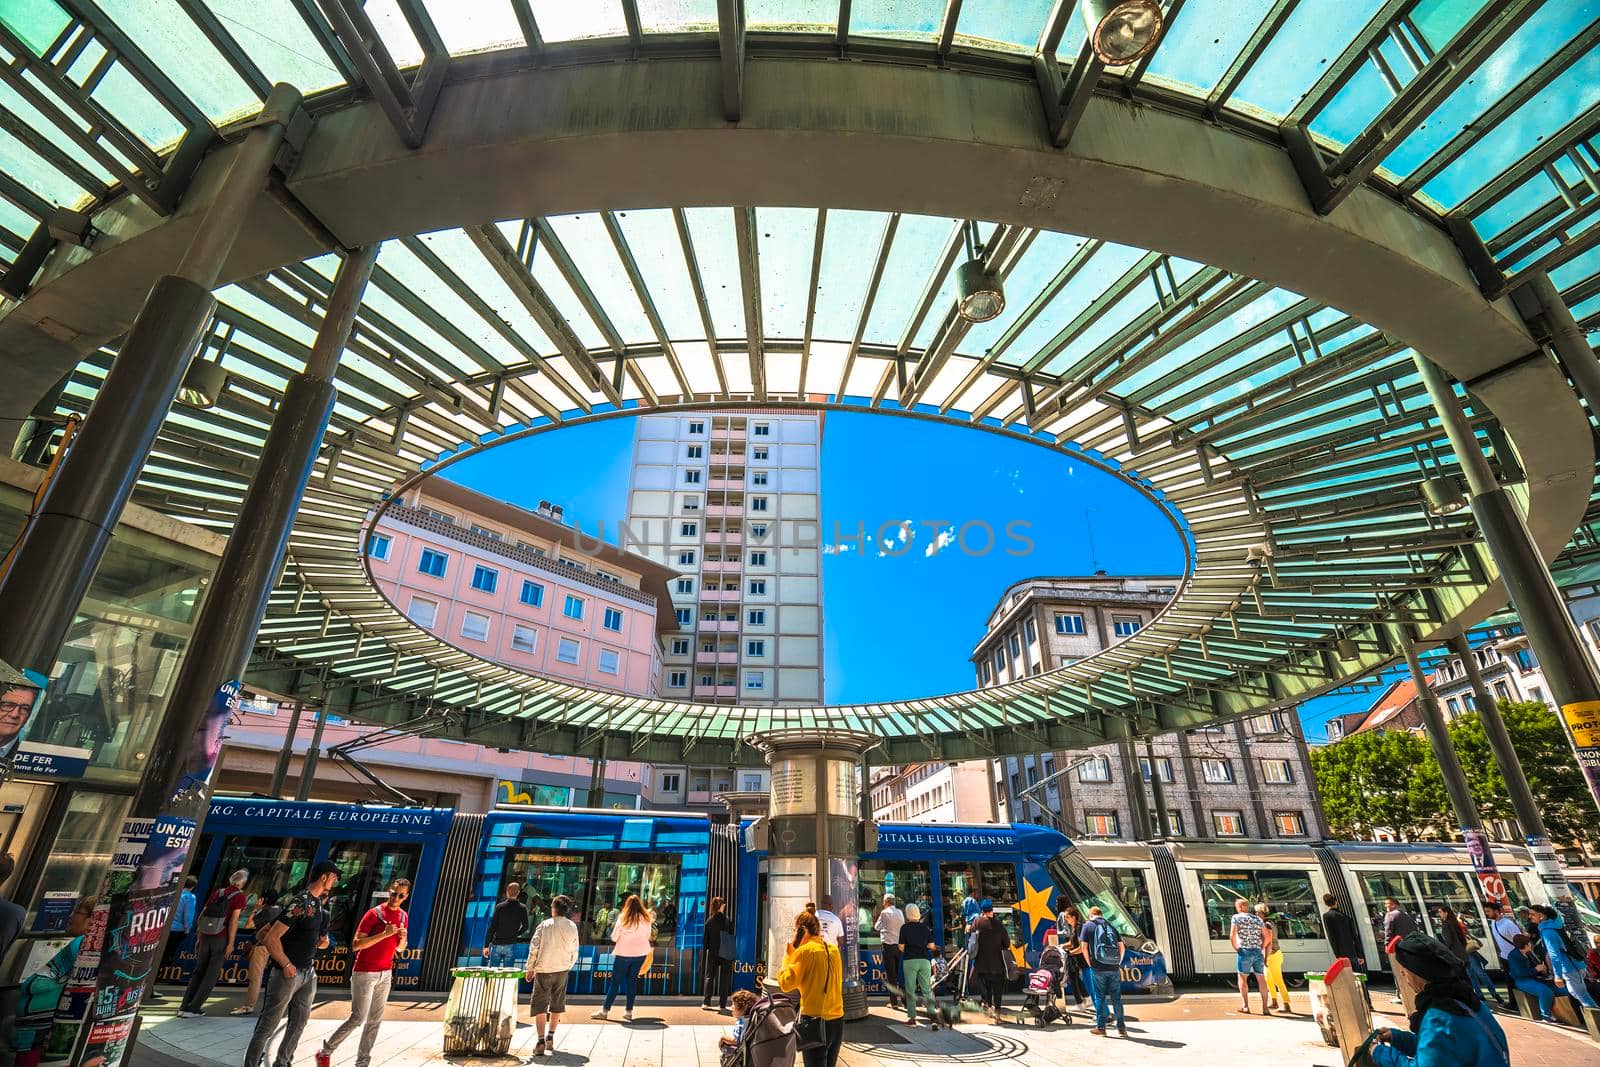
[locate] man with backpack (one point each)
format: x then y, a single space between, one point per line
214 928
1106 949
552 954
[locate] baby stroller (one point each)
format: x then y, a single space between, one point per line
1043 986
768 1039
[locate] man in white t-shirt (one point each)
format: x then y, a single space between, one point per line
1503 928
832 925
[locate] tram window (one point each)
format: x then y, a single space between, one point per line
911 883
276 865
365 870
1084 886
545 876
1450 888
653 877
997 881
1377 885
1133 890
1288 894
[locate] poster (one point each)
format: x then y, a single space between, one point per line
21 695
1583 723
842 888
1494 887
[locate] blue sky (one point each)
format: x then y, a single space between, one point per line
899 623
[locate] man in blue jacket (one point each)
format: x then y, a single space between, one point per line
1451 1027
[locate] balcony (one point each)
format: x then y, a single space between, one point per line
724 537
728 433
720 595
725 511
702 658
726 484
720 566
718 626
717 692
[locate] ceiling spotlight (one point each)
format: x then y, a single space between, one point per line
1442 495
1347 649
1122 31
980 296
203 384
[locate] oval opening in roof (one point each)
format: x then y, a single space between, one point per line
787 556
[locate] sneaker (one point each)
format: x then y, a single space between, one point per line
600 1013
324 1056
933 1025
911 1022
189 1013
1122 1031
627 1016
1097 1031
707 1006
546 1049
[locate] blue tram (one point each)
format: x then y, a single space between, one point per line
460 863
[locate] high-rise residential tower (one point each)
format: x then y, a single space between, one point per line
733 502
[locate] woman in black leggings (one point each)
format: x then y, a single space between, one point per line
718 971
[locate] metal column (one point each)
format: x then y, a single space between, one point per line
280 770
1159 791
308 766
1535 597
1455 779
62 548
1137 804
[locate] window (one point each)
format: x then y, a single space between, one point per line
759 452
758 559
1068 623
677 679
758 587
1271 723
671 782
1029 632
708 645
1525 660
680 646
433 563
685 585
475 624
1290 823
529 546
1098 769
532 593
1015 644
423 612
691 477
574 607
1228 823
691 503
609 661
1502 690
686 558
695 452
1163 768
762 429
1175 824
685 616
757 617
1216 771
706 679
613 620
758 478
1454 705
1291 902
524 639
758 504
752 783
697 427
485 579
755 680
755 648
378 546
758 530
689 529
442 516
1124 625
567 650
484 531
1100 823
1277 772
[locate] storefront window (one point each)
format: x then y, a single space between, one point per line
82 849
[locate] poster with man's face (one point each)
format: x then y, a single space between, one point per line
21 693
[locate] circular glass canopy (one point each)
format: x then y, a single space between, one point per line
1290 435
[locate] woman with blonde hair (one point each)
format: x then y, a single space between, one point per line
1274 951
814 969
631 943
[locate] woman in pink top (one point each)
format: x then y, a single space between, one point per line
631 942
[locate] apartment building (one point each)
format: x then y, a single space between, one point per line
732 502
933 793
1242 780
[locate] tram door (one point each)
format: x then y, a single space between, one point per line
365 870
996 881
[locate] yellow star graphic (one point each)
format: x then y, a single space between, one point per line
1035 904
1020 953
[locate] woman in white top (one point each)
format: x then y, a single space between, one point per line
631 942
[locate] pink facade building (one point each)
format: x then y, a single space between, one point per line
522 588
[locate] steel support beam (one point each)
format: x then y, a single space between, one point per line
408 106
1065 97
731 44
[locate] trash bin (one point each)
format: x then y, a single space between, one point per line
1321 1007
481 1012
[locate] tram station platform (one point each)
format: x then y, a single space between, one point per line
1161 1030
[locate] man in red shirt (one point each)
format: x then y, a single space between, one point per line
379 935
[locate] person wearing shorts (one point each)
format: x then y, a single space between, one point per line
551 956
1248 934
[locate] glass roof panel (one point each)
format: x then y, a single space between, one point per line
914 19
785 237
652 237
563 20
850 244
175 44
589 245
394 31
36 174
1045 257
475 25
459 255
802 16
120 93
677 16
550 279
1204 39
717 256
1006 25
276 37
1311 38
1108 264
915 254
38 23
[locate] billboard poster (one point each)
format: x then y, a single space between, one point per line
842 887
21 696
1494 887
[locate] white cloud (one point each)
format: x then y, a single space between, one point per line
945 538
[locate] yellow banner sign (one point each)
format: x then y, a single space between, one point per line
1583 719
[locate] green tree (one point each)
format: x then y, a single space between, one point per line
1552 771
1368 780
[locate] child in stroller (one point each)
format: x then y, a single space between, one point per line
1044 984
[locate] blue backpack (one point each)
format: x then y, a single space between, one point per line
1103 940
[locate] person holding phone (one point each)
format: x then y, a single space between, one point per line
380 934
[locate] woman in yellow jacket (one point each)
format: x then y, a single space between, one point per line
813 969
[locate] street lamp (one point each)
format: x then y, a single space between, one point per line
980 295
1122 31
1442 495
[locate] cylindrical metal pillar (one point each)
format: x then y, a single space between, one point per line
308 766
1159 790
813 848
1433 725
62 548
1567 338
1137 804
1533 594
280 770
